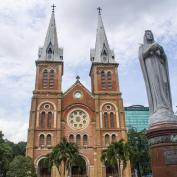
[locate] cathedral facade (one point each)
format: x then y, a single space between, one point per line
92 119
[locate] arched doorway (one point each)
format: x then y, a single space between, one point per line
111 171
79 168
43 169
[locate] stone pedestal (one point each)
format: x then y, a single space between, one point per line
163 149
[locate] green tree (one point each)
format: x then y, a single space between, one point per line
140 159
116 154
1 137
5 156
17 149
64 154
21 167
9 150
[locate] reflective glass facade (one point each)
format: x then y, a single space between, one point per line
136 117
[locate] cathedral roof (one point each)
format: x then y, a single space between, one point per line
81 85
50 50
102 52
78 95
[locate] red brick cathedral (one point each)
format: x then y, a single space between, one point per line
92 119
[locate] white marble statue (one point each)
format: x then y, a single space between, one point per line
154 66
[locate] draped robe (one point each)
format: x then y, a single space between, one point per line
155 71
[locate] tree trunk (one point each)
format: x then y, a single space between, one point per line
66 172
69 171
121 169
118 165
58 168
64 165
138 170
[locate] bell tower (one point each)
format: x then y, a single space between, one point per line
110 116
104 75
45 116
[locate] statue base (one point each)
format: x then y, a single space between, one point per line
163 149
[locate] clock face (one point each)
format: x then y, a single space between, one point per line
78 94
78 119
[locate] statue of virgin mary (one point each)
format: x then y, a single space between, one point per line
154 66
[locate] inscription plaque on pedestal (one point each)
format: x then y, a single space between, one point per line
171 157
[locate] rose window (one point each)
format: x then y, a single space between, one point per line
78 119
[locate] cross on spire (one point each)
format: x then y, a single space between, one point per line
53 8
78 78
99 10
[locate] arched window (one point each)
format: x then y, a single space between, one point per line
85 140
112 123
49 51
45 79
108 116
41 140
104 52
109 80
51 78
103 80
78 140
107 139
113 138
71 138
49 140
109 76
46 116
105 120
42 120
49 120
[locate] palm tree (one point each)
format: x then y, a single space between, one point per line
63 155
116 154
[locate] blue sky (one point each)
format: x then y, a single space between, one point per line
23 28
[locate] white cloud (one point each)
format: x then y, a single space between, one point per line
14 127
23 27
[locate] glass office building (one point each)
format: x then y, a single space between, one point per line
136 117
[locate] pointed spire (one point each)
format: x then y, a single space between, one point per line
50 50
102 52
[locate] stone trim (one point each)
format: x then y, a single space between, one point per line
163 139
